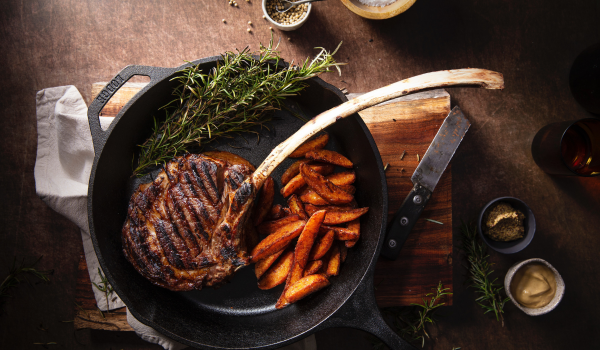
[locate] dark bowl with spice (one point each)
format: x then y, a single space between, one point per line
512 246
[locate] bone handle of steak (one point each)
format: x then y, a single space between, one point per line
471 76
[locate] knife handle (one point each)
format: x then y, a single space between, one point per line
404 220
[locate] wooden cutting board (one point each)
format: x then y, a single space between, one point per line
404 125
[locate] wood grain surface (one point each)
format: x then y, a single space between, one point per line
533 43
404 125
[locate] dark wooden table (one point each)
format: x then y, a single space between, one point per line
533 43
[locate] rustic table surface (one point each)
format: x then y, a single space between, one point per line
532 43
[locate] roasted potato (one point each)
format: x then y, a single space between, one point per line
311 145
321 246
269 227
263 265
327 156
275 212
343 251
340 233
307 238
341 179
298 181
312 267
310 196
339 217
292 171
297 207
278 273
264 202
353 226
277 240
305 286
333 265
324 188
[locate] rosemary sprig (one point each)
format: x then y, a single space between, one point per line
16 273
232 98
479 269
411 323
104 287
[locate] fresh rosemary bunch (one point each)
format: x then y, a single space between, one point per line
410 323
16 273
104 287
233 97
479 269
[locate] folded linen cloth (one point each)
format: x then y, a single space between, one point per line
63 164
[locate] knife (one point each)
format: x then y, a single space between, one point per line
425 178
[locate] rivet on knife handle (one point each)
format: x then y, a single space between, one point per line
404 221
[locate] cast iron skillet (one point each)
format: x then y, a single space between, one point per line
238 315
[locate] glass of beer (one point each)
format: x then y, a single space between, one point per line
569 148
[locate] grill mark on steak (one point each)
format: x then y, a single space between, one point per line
169 248
184 229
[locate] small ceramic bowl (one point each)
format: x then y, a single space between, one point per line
560 288
284 27
376 12
518 244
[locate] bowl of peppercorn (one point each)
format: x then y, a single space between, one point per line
292 19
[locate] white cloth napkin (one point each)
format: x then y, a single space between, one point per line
62 169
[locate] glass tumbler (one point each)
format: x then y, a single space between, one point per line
569 148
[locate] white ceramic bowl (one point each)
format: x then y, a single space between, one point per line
283 26
560 288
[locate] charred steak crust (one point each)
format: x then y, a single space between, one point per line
185 230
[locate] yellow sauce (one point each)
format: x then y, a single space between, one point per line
533 285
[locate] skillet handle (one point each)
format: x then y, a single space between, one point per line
99 136
360 311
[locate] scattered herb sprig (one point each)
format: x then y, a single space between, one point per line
17 273
232 98
479 269
411 322
104 287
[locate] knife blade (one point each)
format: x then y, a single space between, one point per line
425 178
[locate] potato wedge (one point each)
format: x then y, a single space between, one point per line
292 171
312 267
321 246
343 251
340 233
353 226
229 157
275 212
277 240
348 188
305 286
311 145
265 201
269 227
297 207
340 217
310 196
310 209
297 182
324 188
278 273
342 178
327 156
307 238
263 265
333 265
286 212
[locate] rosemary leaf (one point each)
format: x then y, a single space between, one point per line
16 273
479 270
234 97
